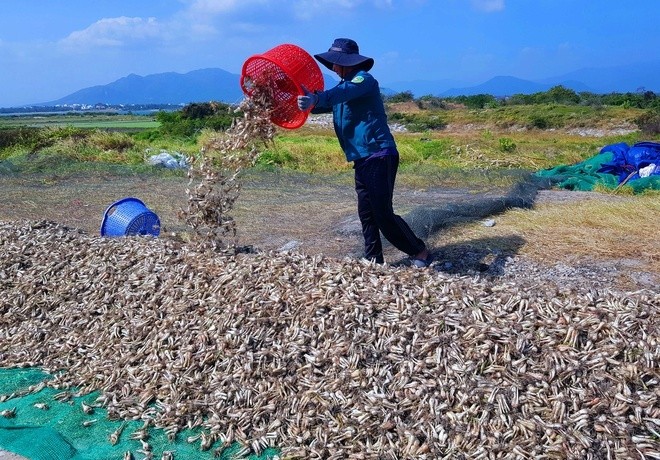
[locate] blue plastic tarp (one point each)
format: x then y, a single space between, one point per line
628 161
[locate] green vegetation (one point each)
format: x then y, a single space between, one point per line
524 132
419 122
559 107
649 121
79 120
507 145
193 118
520 117
556 95
69 148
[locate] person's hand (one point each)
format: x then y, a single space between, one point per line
307 101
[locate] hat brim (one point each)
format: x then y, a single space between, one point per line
343 59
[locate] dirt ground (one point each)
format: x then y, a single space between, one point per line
278 211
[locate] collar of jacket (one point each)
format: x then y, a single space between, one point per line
350 76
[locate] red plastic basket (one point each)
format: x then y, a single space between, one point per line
286 68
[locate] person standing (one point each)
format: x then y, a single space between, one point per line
364 135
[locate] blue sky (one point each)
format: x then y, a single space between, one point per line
51 48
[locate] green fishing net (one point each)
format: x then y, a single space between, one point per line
41 426
584 176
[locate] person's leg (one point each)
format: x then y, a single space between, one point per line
373 248
378 179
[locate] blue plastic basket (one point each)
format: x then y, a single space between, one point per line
129 216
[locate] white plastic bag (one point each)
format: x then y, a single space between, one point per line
171 160
647 171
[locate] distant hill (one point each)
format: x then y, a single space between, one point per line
164 88
424 87
618 79
215 84
497 86
508 86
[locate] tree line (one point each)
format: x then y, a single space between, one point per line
641 99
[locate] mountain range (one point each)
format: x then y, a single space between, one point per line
614 79
215 84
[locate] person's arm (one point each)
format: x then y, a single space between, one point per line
316 110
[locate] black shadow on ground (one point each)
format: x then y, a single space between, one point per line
481 256
486 255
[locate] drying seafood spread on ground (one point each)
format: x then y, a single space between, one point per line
326 358
332 358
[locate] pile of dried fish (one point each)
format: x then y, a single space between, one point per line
333 359
214 183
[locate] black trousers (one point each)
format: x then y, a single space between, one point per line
374 184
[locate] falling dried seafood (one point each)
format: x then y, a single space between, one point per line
214 177
330 358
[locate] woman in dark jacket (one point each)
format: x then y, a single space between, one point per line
361 126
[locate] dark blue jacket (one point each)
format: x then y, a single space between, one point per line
358 115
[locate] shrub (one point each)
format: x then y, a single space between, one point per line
417 122
561 95
67 132
405 96
539 121
649 122
118 142
477 101
148 135
507 144
276 158
23 135
34 139
193 118
431 102
434 149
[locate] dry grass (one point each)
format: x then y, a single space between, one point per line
404 107
607 229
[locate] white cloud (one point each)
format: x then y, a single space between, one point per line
204 8
205 19
208 10
320 9
327 5
308 9
113 32
487 6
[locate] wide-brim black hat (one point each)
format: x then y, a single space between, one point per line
344 52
